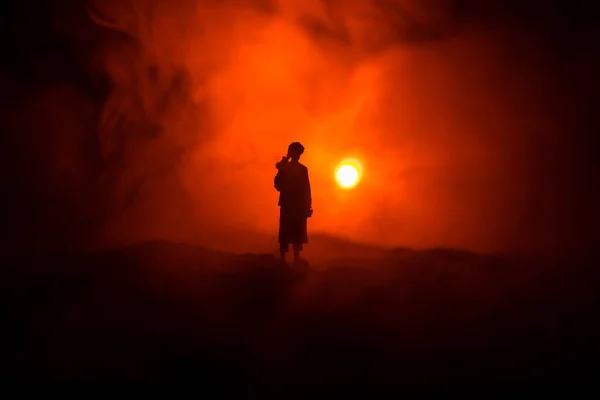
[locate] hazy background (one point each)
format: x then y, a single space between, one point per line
474 121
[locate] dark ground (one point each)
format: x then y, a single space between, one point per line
426 321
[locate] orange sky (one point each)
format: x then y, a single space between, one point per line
453 133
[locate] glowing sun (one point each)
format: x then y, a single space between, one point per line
347 173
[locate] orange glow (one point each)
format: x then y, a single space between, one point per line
348 173
206 96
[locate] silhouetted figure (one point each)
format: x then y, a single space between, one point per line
295 201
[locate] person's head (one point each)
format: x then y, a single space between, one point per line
295 150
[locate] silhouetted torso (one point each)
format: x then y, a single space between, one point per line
293 185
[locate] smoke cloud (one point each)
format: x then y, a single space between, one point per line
456 111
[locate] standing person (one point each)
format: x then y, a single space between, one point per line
295 201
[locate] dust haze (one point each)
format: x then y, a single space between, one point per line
458 114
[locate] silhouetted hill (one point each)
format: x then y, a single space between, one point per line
407 321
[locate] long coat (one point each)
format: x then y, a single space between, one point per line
295 202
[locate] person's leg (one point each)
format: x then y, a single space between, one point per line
285 231
297 250
283 248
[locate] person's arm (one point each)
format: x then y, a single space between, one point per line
308 194
279 178
277 181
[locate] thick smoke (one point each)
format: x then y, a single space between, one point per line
458 118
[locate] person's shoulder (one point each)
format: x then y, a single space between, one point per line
304 167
